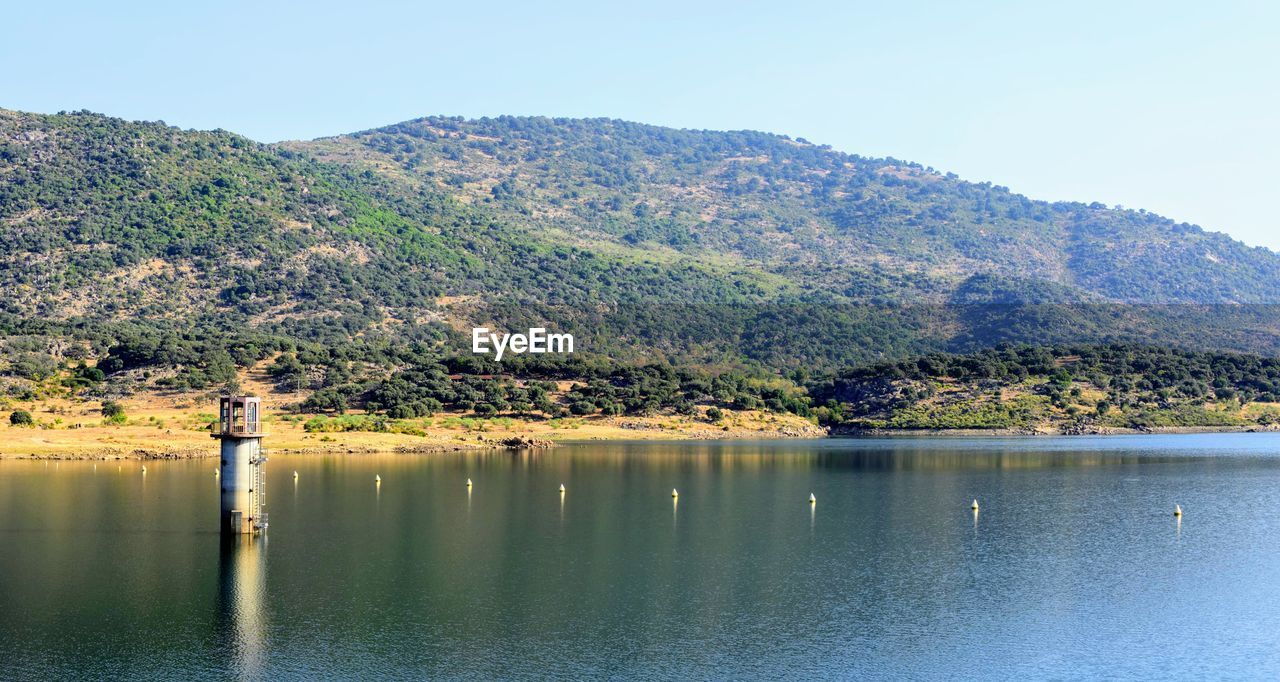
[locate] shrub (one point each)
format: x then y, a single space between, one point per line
21 418
113 412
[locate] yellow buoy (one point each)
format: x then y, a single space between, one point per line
974 506
812 499
295 475
561 488
468 483
1177 510
144 470
216 473
377 479
675 493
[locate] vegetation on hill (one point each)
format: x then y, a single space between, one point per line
697 269
865 229
1072 388
106 219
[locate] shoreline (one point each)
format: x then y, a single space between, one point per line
521 443
147 438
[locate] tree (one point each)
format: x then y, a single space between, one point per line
34 366
289 373
326 400
113 412
21 418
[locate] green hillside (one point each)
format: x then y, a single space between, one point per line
843 225
105 219
1072 389
170 257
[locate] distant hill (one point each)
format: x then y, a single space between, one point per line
165 247
849 226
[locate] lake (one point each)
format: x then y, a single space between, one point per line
1075 567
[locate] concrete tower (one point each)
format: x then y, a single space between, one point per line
241 471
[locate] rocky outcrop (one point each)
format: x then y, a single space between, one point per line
525 442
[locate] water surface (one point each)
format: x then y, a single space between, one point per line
1074 568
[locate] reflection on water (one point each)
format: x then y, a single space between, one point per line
1073 568
904 454
242 604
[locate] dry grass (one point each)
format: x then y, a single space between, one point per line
177 426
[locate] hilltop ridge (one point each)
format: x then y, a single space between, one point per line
857 227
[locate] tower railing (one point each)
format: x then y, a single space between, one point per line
241 428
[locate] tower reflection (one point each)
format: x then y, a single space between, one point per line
241 605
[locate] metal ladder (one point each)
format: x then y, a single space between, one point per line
259 499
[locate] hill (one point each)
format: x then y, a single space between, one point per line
850 227
170 259
111 220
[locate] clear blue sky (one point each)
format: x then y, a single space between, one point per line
1169 106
